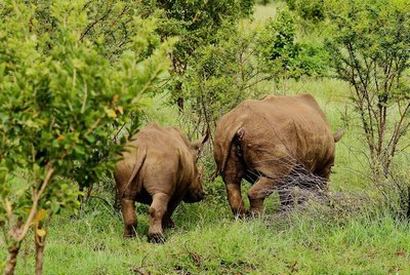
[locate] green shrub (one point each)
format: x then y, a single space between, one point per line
61 96
369 46
195 23
312 10
280 53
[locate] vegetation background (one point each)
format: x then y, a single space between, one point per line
186 63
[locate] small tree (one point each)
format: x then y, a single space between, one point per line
369 47
283 56
195 22
312 10
221 75
60 97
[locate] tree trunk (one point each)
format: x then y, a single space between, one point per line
39 243
180 103
12 258
117 200
408 202
180 100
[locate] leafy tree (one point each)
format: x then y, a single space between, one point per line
61 95
369 47
221 75
283 56
195 23
110 25
312 10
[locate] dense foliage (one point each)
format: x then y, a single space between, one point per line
283 55
369 45
313 10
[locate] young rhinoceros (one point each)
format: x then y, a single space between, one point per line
159 169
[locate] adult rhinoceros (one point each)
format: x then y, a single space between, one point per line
264 141
159 169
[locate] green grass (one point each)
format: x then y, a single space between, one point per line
263 13
208 241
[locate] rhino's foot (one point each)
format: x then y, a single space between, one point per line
256 209
130 232
255 214
168 224
242 214
129 235
156 238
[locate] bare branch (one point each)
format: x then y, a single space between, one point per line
36 198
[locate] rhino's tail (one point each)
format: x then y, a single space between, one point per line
338 135
141 156
223 147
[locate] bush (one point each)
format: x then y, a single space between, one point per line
369 46
61 96
283 56
311 10
221 75
241 65
195 23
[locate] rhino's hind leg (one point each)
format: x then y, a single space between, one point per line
234 171
157 211
257 194
167 221
129 217
235 199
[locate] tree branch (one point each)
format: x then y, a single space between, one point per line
36 199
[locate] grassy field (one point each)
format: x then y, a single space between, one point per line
208 240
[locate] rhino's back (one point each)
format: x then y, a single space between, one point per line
162 140
280 130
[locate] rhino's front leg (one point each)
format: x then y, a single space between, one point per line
257 194
129 217
156 211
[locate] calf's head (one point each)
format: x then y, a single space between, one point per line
195 192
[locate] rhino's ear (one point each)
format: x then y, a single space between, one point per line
199 145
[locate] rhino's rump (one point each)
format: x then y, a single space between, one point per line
167 167
282 132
